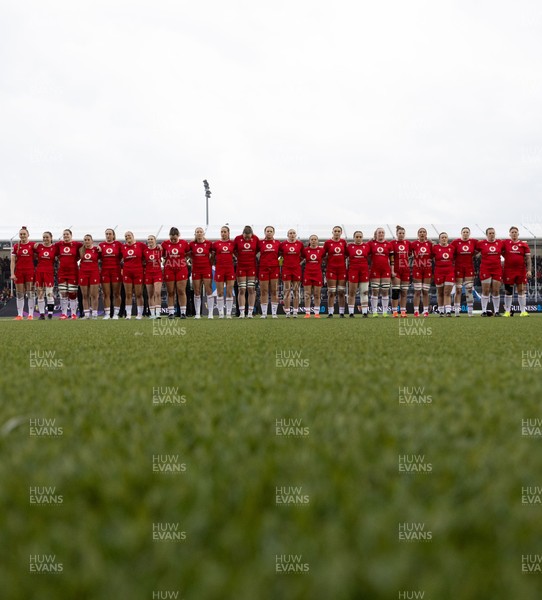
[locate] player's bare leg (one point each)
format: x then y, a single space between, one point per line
242 287
19 292
375 289
522 299
287 299
469 287
331 295
273 293
85 293
295 285
352 291
364 298
417 285
251 287
115 287
457 299
341 296
170 286
486 287
138 288
447 297
207 283
180 287
426 285
129 290
395 295
197 297
229 298
404 296
264 297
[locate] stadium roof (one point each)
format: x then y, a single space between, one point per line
8 233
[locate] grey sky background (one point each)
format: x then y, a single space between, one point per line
296 112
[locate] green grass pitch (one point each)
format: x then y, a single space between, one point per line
342 384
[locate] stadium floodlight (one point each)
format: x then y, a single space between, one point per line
207 196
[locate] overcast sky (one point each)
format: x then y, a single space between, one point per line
295 111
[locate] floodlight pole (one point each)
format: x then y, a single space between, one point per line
207 196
